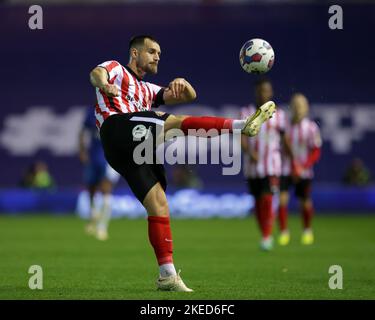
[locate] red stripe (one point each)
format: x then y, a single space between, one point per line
103 113
112 65
136 94
149 96
107 102
144 103
153 95
116 104
105 98
125 89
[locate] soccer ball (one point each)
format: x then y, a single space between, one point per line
257 56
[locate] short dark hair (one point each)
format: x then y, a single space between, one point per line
138 41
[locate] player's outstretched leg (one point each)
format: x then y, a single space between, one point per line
160 236
249 126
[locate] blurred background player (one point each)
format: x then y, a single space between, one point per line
357 174
98 176
304 139
262 161
38 177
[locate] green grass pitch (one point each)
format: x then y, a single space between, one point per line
219 258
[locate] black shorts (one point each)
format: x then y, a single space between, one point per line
302 186
120 135
259 186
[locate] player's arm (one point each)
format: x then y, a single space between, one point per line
179 91
313 157
315 144
99 79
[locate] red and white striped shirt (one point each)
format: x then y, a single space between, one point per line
266 144
303 136
134 94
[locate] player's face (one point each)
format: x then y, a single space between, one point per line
300 107
149 56
263 93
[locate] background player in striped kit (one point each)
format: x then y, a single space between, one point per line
262 162
98 177
304 139
123 110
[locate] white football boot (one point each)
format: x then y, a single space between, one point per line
266 244
255 121
101 234
172 283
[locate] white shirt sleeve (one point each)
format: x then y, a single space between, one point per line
113 68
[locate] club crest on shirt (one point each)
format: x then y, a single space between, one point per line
139 131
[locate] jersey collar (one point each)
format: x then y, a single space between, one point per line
133 73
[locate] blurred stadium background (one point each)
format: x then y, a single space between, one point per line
45 90
46 86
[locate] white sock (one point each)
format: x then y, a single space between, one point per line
105 213
94 209
238 124
167 270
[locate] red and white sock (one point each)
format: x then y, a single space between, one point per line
266 215
307 215
160 236
283 218
207 123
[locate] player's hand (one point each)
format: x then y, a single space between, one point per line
110 90
177 86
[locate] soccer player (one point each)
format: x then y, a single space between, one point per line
262 162
304 138
98 176
124 116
